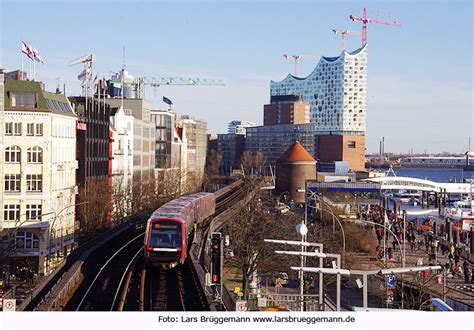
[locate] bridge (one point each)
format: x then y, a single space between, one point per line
406 183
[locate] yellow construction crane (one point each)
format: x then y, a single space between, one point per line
344 34
299 58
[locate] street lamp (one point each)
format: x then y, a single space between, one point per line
390 231
321 256
56 215
334 217
302 254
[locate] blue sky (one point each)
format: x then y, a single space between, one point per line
420 91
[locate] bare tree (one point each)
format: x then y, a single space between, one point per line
247 162
121 197
96 212
247 227
212 168
260 161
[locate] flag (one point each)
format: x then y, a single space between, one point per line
27 50
37 56
103 85
167 100
82 76
95 84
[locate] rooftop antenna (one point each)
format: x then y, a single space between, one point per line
123 56
123 71
58 91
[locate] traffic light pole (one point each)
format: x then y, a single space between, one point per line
217 265
221 273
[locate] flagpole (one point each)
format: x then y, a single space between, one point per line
22 66
34 69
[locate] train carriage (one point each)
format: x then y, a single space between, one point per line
169 227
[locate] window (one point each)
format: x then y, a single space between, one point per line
12 154
39 129
23 100
351 144
12 128
30 129
12 182
33 211
11 212
17 129
8 128
34 155
26 240
34 182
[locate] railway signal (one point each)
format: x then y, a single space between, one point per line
216 253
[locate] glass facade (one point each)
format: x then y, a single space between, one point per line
336 91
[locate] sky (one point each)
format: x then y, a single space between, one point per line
420 75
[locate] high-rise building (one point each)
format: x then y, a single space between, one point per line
195 135
231 147
239 126
38 193
93 141
121 126
170 147
336 91
285 109
143 135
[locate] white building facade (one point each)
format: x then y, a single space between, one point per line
336 91
39 168
239 126
121 125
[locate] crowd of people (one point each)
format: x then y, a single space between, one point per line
418 238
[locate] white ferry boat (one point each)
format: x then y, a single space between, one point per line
462 214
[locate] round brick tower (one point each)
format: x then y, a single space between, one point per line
294 167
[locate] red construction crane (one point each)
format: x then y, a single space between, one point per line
366 20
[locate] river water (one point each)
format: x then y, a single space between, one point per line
435 174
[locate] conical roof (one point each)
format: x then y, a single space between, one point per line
296 153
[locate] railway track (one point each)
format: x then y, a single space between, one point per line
100 292
121 281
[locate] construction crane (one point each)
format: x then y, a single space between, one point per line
86 74
344 34
299 58
366 20
156 82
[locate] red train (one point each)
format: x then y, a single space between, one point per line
169 227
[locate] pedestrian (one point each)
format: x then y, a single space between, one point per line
390 254
393 244
460 271
443 249
453 269
456 259
467 271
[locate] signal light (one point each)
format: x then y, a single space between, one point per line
216 257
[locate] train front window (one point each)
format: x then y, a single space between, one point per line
165 234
